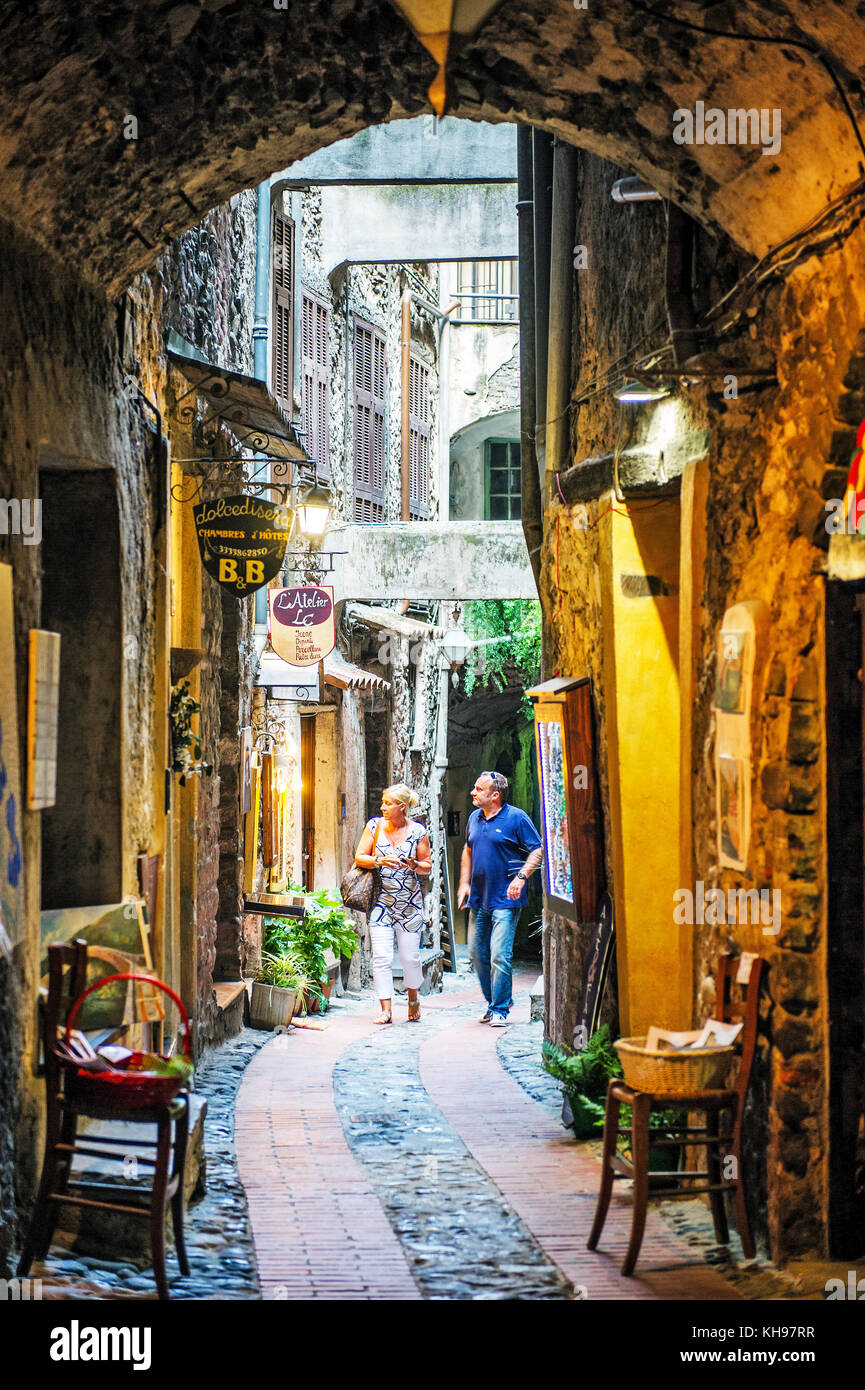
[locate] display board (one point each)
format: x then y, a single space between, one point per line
571 824
11 854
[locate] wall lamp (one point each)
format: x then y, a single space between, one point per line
314 507
639 393
634 190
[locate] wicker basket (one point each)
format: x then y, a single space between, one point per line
147 1078
674 1073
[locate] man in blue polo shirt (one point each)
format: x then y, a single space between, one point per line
502 850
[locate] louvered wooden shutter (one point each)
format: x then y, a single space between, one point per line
370 444
315 339
419 439
283 312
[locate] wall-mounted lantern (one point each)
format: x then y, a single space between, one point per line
639 393
314 507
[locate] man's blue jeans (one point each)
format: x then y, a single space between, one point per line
491 945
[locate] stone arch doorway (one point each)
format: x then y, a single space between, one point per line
147 117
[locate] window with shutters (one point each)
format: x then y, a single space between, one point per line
418 446
370 443
315 365
283 312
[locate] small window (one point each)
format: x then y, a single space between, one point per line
488 291
502 485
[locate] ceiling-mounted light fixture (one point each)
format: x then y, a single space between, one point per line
638 393
442 27
634 190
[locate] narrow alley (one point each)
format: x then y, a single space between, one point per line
432 733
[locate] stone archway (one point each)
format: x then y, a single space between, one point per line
123 125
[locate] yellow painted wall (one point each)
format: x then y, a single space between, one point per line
641 680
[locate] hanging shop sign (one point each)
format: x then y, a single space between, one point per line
302 627
242 540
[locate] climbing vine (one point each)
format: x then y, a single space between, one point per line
510 633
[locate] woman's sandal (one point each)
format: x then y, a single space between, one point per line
414 1011
384 1017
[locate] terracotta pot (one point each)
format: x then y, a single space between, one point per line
313 1006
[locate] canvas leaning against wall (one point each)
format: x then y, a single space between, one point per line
118 942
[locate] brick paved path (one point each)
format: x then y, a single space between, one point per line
405 1163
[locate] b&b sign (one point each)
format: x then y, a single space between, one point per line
242 540
302 629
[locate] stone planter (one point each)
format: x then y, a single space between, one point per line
273 1007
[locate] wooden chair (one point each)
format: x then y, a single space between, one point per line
67 972
719 1146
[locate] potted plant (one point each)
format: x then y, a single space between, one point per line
584 1076
326 926
278 989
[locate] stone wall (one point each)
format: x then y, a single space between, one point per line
761 525
71 401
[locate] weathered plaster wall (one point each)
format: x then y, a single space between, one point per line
373 293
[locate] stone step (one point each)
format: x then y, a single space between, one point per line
432 963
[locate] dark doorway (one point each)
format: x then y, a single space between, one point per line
82 843
845 728
307 798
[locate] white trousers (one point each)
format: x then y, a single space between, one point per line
408 946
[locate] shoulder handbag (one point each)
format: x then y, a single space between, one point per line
360 887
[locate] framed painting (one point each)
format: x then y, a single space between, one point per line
571 829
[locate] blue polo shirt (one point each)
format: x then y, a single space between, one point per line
499 846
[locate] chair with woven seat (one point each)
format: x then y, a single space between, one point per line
67 973
720 1146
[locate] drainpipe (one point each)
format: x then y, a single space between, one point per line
564 223
262 281
680 307
405 422
530 483
542 181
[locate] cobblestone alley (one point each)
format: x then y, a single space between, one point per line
430 1162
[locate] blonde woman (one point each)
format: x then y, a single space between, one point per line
402 856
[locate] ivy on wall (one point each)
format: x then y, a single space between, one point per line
509 634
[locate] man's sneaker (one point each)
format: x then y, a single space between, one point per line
498 1020
485 1018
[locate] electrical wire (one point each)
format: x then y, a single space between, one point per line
806 46
764 269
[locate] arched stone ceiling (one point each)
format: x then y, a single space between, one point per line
227 91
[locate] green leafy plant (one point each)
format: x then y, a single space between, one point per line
185 742
282 968
583 1077
509 631
326 926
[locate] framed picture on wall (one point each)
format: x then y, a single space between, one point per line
245 771
732 678
731 810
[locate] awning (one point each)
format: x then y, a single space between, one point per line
346 676
388 620
338 672
243 403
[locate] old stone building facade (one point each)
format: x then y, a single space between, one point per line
705 502
667 515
